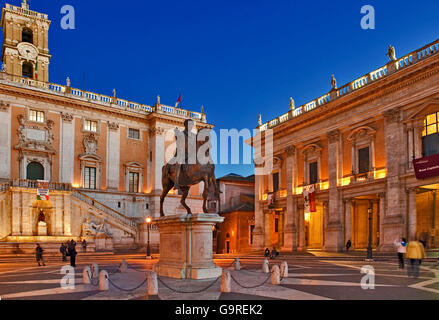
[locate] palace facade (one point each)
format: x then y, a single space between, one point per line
357 145
102 155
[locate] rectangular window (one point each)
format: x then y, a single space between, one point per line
275 182
90 178
276 225
252 228
134 182
134 134
37 116
90 125
363 160
313 174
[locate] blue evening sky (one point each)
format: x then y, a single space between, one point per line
237 58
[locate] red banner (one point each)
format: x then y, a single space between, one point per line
309 195
426 167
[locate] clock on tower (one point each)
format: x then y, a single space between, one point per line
25 50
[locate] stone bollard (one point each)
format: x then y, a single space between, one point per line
103 281
123 267
265 267
237 264
275 275
284 269
86 274
153 286
94 270
226 281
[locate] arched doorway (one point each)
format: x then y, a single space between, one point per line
34 171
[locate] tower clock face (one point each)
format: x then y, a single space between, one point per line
27 51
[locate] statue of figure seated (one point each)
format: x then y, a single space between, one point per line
90 228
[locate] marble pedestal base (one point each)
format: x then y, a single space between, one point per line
186 247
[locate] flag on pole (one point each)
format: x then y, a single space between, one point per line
178 101
309 196
36 70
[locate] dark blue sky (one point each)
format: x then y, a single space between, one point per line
237 58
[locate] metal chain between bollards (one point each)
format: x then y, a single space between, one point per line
127 290
180 291
252 287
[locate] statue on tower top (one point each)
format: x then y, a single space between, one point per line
292 105
24 5
391 53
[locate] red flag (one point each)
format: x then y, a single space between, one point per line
178 101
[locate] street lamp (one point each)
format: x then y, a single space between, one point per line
369 246
148 251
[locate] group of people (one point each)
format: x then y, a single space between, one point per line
272 255
67 249
414 251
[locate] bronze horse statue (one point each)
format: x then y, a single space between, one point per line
187 175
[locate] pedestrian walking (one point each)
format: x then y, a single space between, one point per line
348 245
401 247
84 246
72 253
63 250
415 252
267 252
39 255
274 254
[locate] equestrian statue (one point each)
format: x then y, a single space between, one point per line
183 173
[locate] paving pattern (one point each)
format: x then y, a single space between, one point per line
310 278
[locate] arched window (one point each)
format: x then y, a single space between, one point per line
35 171
430 135
28 70
27 35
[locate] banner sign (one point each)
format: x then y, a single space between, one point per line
426 167
42 190
309 196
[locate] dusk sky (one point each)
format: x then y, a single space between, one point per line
237 58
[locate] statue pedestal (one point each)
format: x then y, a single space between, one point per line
186 247
42 228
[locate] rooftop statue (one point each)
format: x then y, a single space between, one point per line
391 53
260 120
188 168
292 105
333 83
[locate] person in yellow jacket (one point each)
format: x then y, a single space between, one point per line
415 253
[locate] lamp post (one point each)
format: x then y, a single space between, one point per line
148 251
369 246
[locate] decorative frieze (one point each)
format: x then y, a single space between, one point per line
4 107
113 126
67 117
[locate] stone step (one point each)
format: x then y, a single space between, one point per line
29 247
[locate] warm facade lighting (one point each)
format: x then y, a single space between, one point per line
283 194
265 197
380 174
324 185
307 216
299 190
148 220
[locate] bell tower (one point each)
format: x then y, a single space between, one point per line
25 49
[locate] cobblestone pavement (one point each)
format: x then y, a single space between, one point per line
311 277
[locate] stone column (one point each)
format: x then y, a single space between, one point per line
348 220
382 214
334 230
67 216
393 219
301 232
410 151
59 206
268 224
158 158
258 232
290 228
412 213
113 156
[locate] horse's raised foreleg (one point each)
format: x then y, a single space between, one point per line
185 191
167 185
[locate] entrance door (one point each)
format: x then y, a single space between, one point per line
35 171
360 226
